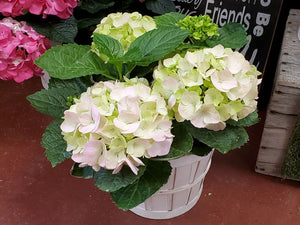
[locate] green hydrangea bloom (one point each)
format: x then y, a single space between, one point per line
201 27
125 27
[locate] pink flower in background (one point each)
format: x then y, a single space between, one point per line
60 8
20 45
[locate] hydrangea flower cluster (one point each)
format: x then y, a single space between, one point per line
201 27
125 27
20 45
208 86
60 8
115 123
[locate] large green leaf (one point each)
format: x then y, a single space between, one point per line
154 45
61 31
223 141
52 102
106 181
72 60
54 143
160 6
81 84
168 19
182 143
248 121
155 176
232 35
108 46
93 6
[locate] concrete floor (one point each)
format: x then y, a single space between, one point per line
34 193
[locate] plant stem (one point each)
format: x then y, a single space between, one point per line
119 68
108 76
130 68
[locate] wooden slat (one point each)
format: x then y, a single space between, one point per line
284 103
278 120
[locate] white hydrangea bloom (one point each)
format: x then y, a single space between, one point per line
115 123
207 86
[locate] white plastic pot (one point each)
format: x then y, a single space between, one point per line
182 191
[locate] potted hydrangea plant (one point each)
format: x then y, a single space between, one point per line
146 93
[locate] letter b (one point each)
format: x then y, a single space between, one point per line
263 19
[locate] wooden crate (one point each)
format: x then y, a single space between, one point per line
284 103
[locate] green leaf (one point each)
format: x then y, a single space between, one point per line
93 6
87 22
81 84
223 141
86 172
200 149
186 46
248 121
168 19
155 176
160 6
54 144
232 35
72 60
52 102
106 181
154 45
108 46
61 31
182 143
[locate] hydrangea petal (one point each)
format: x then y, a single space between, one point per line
194 58
223 80
235 62
189 104
70 122
160 148
126 128
137 147
91 153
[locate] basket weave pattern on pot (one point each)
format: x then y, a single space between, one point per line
182 190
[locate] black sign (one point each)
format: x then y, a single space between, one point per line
259 17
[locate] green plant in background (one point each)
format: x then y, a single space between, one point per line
291 164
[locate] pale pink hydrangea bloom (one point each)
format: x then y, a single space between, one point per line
117 123
20 45
208 86
60 8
